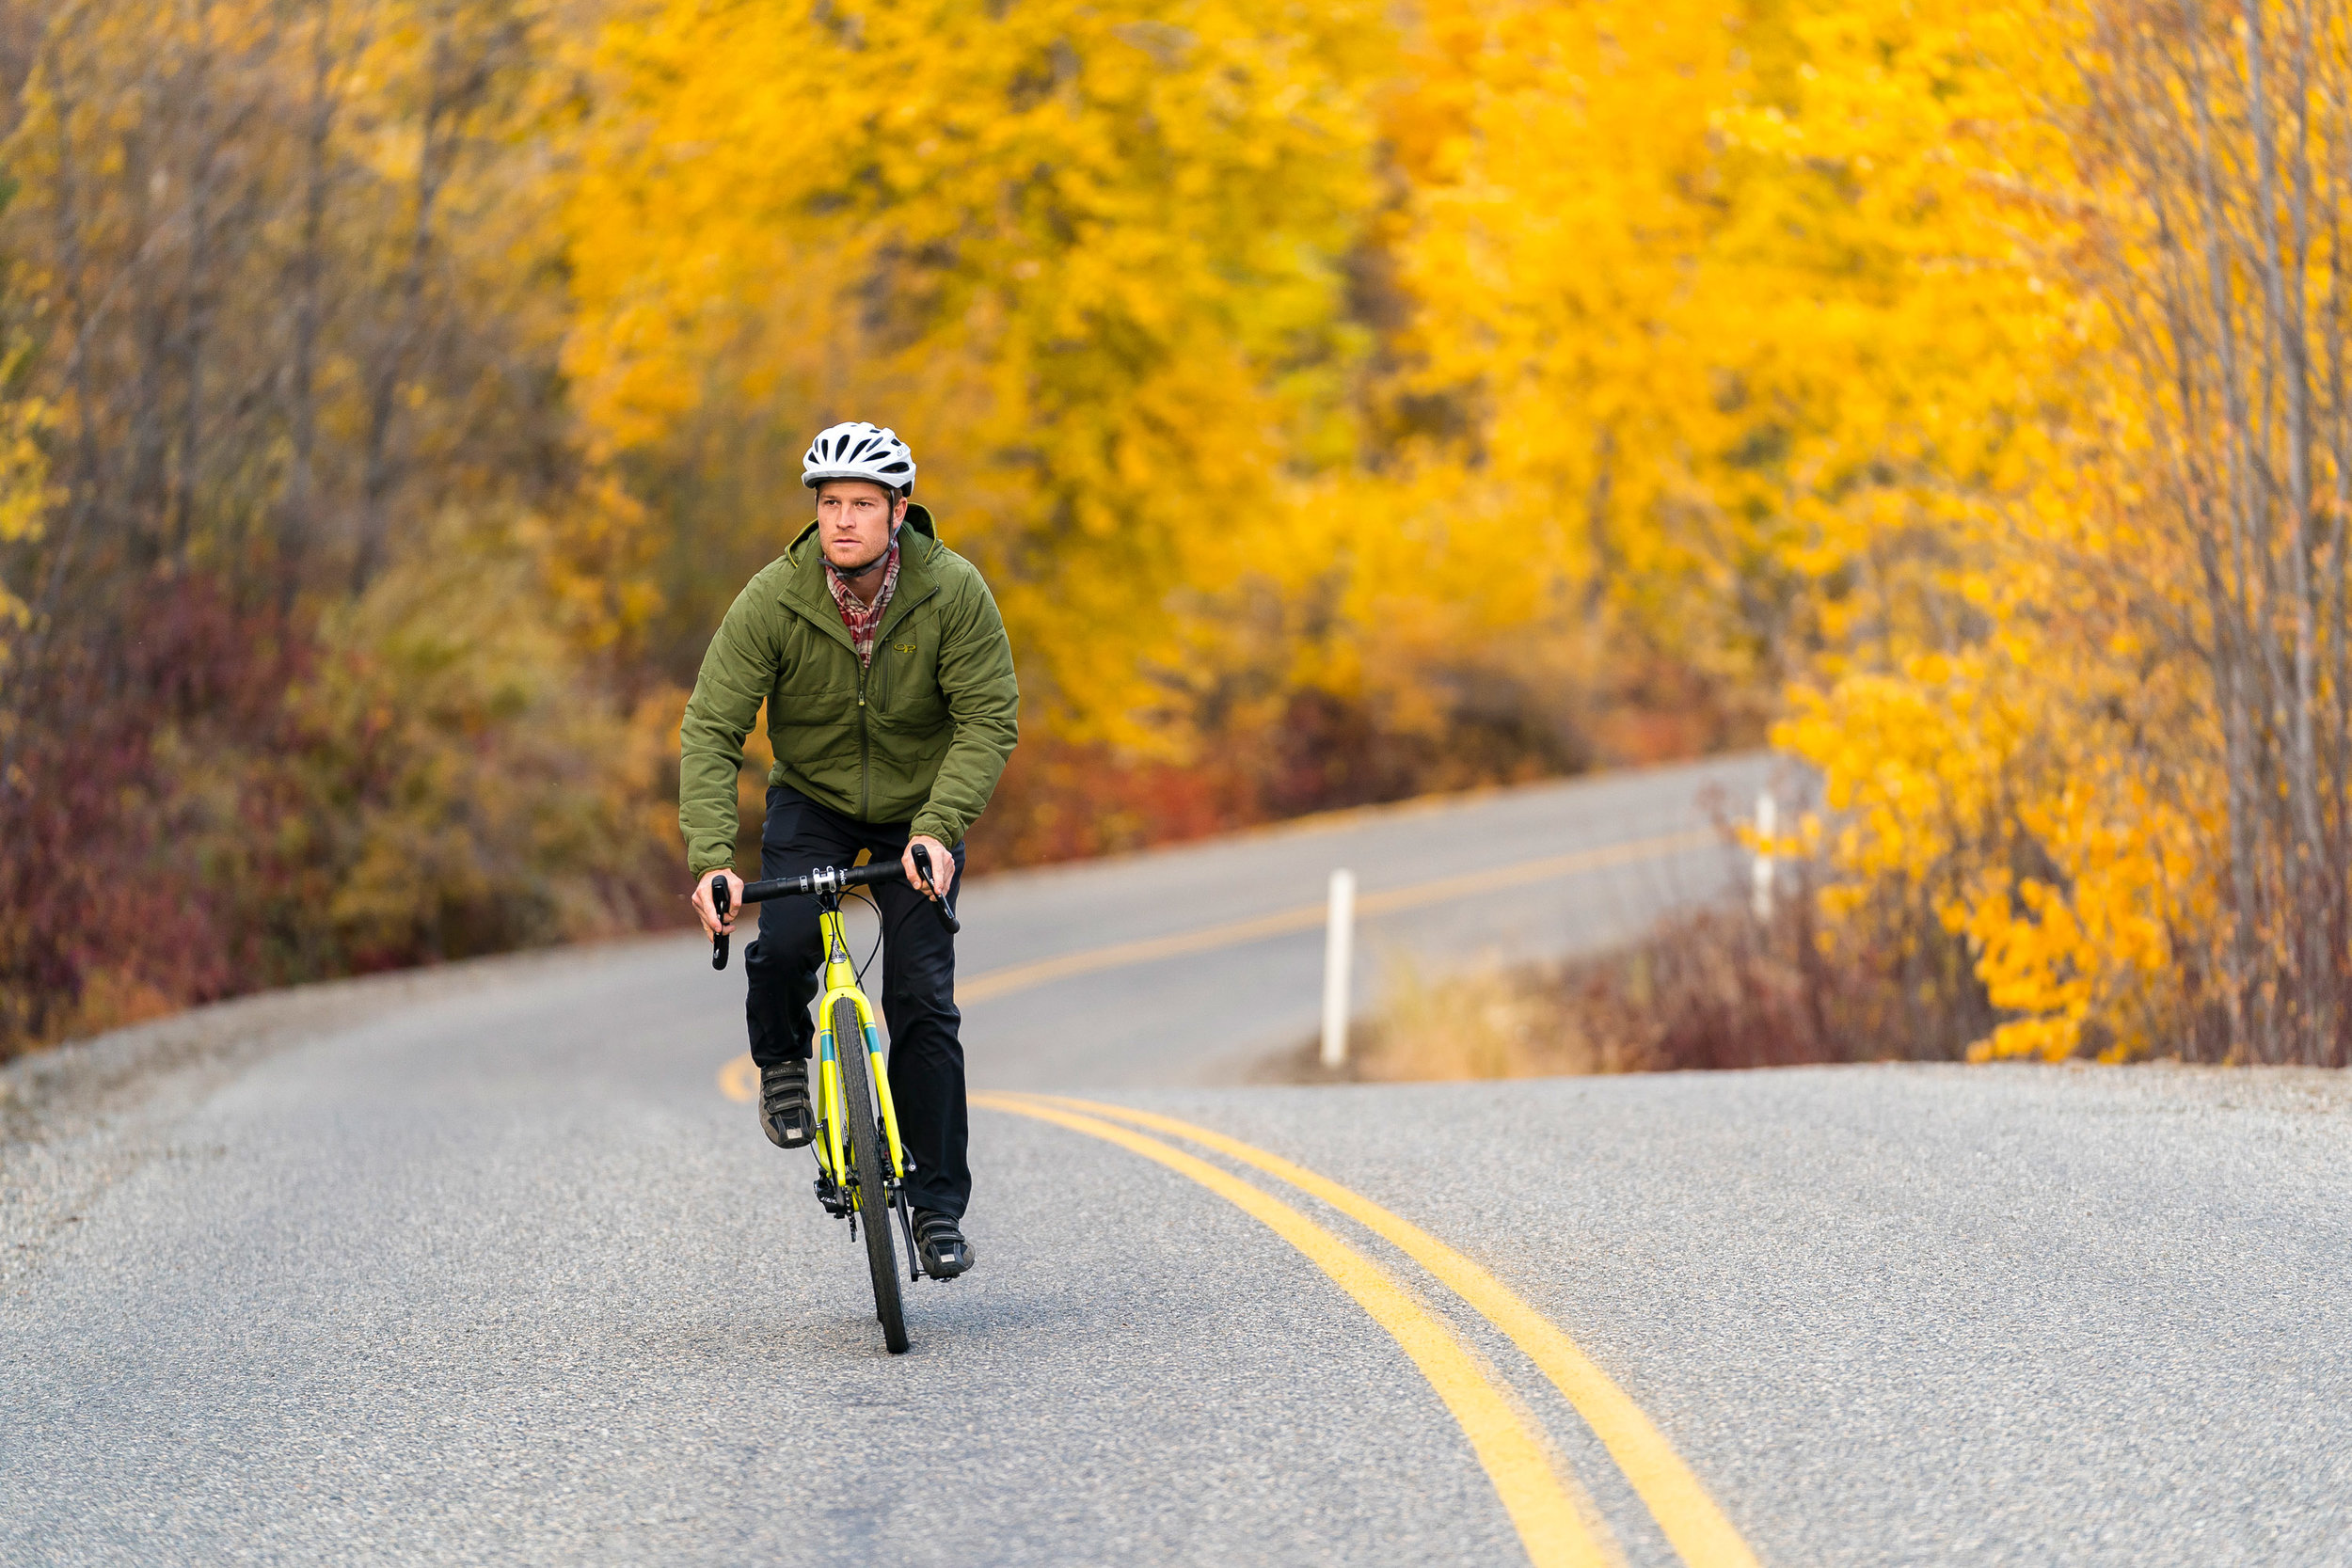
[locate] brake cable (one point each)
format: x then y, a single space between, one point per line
868 899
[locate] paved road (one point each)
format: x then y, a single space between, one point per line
1208 1016
496 1273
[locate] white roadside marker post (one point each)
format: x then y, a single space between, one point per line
1767 814
1339 943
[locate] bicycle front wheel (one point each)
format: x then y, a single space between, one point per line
871 1162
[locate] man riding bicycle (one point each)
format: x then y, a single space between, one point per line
891 708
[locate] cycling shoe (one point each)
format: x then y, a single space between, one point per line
944 1252
784 1110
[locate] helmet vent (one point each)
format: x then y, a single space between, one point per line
856 450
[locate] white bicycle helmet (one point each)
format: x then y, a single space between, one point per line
860 451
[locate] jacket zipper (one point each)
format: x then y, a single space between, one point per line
865 752
865 740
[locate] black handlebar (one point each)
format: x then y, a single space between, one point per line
939 905
721 900
820 881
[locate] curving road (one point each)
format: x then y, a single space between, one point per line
485 1267
1212 954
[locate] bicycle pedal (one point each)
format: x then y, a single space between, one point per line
831 1198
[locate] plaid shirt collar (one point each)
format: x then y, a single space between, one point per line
863 620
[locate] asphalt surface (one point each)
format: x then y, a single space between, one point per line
492 1272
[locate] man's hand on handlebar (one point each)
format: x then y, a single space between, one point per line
712 924
943 866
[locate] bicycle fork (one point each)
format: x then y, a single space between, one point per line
835 1185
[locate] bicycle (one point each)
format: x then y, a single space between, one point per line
867 1175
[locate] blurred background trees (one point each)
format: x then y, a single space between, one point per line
287 688
2118 786
1345 403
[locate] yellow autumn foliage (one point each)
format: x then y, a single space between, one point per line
1819 346
24 497
2099 751
1086 259
1830 343
1343 400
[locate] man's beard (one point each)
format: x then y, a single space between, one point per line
888 545
861 571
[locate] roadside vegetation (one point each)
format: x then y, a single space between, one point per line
1346 402
1715 988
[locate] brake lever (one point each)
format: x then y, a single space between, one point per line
721 900
947 915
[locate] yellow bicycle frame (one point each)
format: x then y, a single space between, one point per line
833 1116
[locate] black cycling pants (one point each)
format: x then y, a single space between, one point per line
918 991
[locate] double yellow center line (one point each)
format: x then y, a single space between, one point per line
1545 1506
1554 1520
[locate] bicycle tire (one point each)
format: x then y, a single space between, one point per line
872 1163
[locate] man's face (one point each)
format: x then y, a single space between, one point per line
853 521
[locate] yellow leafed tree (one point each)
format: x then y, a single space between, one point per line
1088 260
1875 346
2127 788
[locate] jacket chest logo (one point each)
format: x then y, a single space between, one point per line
902 647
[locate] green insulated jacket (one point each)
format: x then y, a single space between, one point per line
922 736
